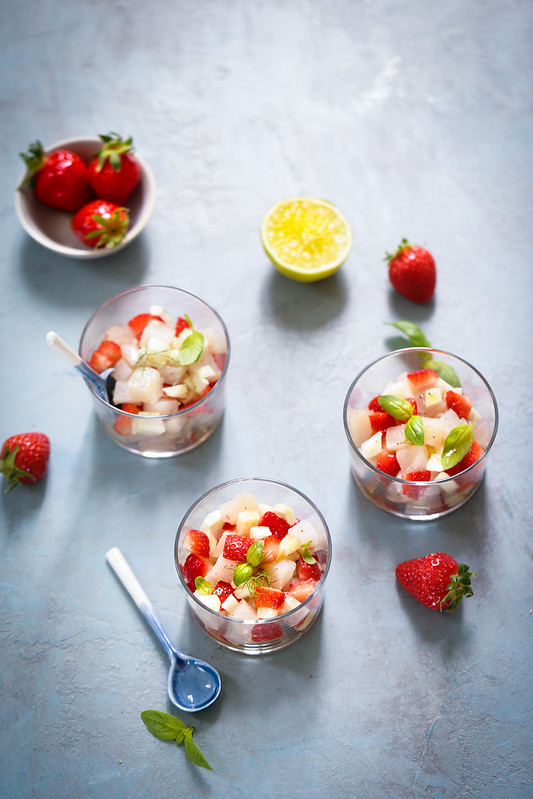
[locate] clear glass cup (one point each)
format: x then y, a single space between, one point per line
176 433
419 501
257 636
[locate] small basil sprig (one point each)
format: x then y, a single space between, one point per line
169 728
456 445
418 339
203 586
306 555
402 410
192 346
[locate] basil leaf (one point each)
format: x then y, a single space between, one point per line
191 349
203 586
162 725
457 443
306 555
242 573
193 752
445 371
180 736
254 556
396 406
414 334
414 430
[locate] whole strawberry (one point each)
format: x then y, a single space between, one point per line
436 580
59 179
101 223
412 272
114 171
24 458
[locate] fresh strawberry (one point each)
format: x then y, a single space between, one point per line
308 570
198 542
380 420
436 580
374 405
106 355
302 589
236 547
222 590
422 379
24 458
459 403
474 453
412 272
114 172
59 179
415 492
194 567
277 525
266 631
412 402
122 424
387 462
269 598
101 224
139 322
181 325
270 549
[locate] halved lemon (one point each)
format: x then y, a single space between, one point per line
306 239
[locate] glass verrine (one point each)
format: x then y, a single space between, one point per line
216 512
156 434
444 492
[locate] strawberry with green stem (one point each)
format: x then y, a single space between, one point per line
412 272
59 179
436 580
101 224
24 458
114 172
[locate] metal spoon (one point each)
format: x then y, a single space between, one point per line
101 382
192 684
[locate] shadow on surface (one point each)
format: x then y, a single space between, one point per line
305 306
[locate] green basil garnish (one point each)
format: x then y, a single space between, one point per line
203 586
169 728
416 337
396 406
242 573
414 430
457 443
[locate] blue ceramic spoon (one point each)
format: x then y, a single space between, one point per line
98 381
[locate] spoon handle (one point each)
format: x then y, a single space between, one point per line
56 343
120 566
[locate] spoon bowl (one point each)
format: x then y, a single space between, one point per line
192 683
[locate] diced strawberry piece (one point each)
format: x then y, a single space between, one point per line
236 547
387 462
139 322
181 325
459 403
267 631
122 424
111 350
193 567
308 570
100 361
412 402
422 379
228 526
474 453
270 549
277 525
422 476
198 542
223 590
269 598
374 405
379 420
302 589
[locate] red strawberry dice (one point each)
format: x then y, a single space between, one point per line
269 598
374 405
266 631
236 547
270 549
459 403
139 322
302 589
414 492
474 453
223 590
422 379
194 567
122 424
277 525
181 325
198 542
105 356
412 402
308 570
380 420
387 462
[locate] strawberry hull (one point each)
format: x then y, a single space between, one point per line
260 614
457 424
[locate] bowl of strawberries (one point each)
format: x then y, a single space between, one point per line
85 197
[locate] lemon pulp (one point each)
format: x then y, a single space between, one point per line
306 239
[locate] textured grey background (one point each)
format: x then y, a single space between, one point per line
415 119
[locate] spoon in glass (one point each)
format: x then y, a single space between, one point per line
100 382
192 684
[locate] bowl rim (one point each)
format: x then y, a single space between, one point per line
37 235
134 290
236 481
408 350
